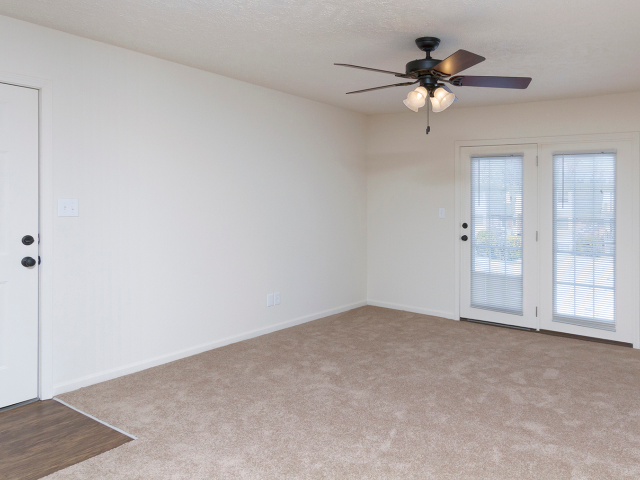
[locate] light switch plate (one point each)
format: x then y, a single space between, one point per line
276 298
441 212
67 207
270 300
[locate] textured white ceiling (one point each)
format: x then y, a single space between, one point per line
571 48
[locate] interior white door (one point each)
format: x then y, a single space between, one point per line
498 278
18 219
589 229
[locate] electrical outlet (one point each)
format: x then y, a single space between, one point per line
270 300
276 298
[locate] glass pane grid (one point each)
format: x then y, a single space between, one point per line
584 214
496 234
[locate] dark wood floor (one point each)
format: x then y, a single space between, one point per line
43 437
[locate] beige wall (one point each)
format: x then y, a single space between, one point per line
409 175
199 195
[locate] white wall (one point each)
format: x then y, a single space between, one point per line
409 175
198 194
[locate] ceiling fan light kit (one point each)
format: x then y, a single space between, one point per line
433 76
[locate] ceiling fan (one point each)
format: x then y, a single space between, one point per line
433 75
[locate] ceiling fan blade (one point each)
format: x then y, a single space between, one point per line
459 61
493 82
386 86
372 69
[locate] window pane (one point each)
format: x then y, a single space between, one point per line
496 234
584 234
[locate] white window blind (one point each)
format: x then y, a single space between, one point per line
496 233
584 239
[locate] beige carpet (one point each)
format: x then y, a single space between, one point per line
376 393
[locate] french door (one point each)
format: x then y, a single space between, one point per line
498 235
18 244
588 224
549 234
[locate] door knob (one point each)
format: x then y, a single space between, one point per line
464 238
27 240
28 262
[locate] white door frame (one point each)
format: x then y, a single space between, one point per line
46 211
634 137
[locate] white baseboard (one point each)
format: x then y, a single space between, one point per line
187 352
407 308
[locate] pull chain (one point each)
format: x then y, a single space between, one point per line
428 108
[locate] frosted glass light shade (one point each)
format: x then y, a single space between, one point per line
422 91
441 100
409 105
416 99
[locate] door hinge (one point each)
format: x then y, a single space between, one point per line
536 311
536 160
536 235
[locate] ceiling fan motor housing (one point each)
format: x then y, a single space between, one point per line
420 67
